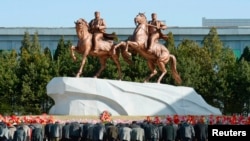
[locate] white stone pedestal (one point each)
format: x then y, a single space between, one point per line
91 96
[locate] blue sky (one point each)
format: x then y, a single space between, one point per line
118 13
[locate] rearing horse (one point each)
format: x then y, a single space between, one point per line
160 55
84 47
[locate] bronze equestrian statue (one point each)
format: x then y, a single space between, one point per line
158 56
85 48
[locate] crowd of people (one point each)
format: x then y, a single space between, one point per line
169 128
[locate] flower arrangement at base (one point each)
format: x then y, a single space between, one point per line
105 117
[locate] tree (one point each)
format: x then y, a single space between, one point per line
47 52
246 54
138 71
213 45
62 62
222 59
61 48
239 99
8 81
26 44
170 43
34 73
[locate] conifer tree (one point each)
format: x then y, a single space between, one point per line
170 44
34 75
222 58
239 82
8 81
62 61
246 54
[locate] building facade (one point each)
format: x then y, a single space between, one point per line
235 37
225 22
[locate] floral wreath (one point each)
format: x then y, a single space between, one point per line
105 116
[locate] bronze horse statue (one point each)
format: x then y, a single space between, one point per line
84 47
159 56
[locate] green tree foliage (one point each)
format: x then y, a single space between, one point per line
138 71
213 45
61 49
191 59
26 44
47 52
240 85
241 82
62 62
222 61
34 71
110 70
8 81
170 43
246 54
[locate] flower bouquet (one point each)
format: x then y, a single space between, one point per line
105 117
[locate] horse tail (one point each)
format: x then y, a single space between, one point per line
175 74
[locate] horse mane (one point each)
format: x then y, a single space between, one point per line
78 30
83 20
143 15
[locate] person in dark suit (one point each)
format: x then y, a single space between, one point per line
90 132
112 132
47 135
20 134
160 126
37 134
65 132
27 130
12 130
168 131
3 132
125 132
85 131
75 131
99 132
201 130
56 131
137 133
187 132
145 126
154 132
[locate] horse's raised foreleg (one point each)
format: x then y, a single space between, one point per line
131 44
103 61
152 69
72 49
122 43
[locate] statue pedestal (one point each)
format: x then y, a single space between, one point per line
91 96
